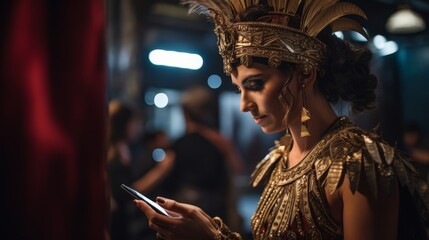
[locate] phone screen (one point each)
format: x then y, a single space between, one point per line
140 196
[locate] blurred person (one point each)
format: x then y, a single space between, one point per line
124 127
418 150
415 144
153 167
205 160
326 178
156 163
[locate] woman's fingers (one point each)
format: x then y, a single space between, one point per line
147 210
171 205
185 210
153 217
192 222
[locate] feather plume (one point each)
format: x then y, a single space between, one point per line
210 8
314 10
331 14
238 6
283 6
307 5
342 24
292 7
273 4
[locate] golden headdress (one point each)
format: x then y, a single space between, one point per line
274 37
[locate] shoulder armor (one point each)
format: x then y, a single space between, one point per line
363 154
266 166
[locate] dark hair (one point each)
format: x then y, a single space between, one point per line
344 75
198 104
118 122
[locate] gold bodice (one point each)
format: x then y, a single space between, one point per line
294 205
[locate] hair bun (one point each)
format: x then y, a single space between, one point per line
347 76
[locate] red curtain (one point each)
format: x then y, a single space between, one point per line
53 119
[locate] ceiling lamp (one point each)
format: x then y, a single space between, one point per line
405 21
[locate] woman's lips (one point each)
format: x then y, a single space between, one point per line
259 119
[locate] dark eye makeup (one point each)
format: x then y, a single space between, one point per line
254 84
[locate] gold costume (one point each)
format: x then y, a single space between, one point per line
293 204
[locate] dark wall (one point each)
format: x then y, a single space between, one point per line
413 63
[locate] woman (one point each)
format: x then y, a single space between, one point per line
124 128
327 178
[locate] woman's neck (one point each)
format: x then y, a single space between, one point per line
322 117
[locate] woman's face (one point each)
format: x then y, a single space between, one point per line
260 87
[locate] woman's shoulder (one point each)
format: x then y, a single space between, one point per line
362 155
264 168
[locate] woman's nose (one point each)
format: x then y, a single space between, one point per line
245 103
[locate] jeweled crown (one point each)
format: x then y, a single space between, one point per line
273 36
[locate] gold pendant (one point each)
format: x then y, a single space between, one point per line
304 131
305 115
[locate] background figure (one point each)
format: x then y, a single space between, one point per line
124 168
418 150
205 161
415 144
154 165
123 128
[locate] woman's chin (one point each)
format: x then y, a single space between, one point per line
271 130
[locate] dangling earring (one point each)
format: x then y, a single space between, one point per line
305 114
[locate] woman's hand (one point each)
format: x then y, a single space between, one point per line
189 222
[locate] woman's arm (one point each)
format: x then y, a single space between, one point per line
366 216
152 178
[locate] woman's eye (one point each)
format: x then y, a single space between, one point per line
255 85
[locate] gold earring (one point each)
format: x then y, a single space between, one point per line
305 114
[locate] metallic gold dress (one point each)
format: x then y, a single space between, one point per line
294 205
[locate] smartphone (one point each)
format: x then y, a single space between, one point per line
140 196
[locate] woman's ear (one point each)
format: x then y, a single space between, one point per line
309 75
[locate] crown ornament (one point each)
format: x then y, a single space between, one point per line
276 36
